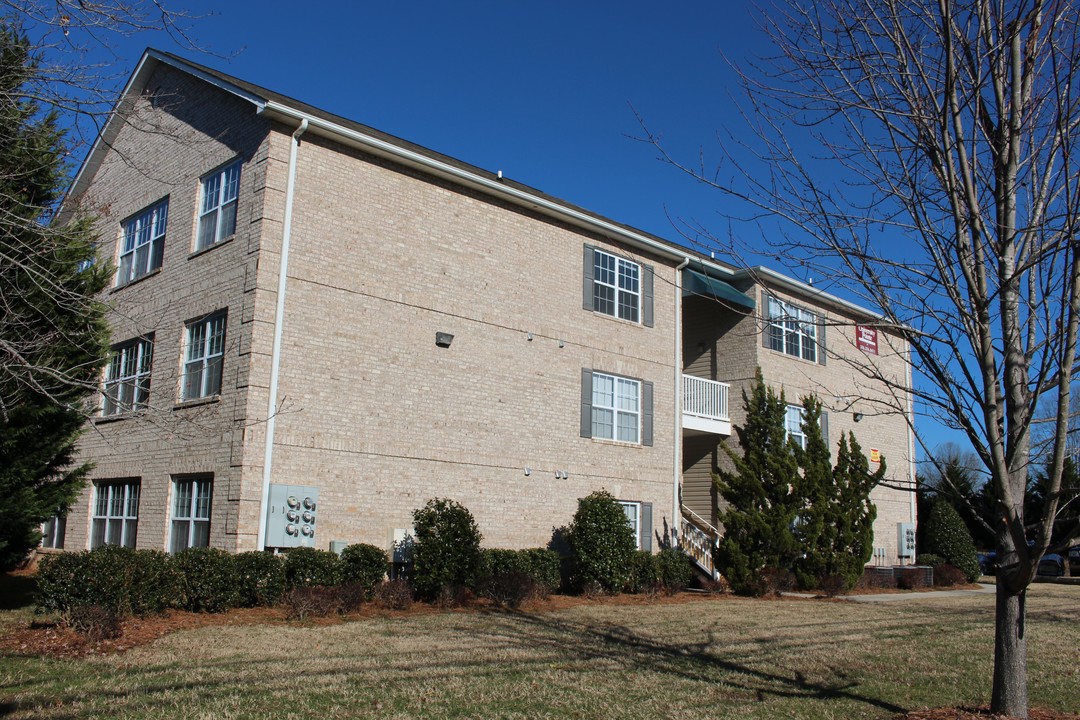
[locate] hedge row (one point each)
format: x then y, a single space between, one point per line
126 582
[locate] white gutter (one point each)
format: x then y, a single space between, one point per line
279 323
804 289
676 509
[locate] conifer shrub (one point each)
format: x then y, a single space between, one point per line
601 543
946 535
364 565
208 579
308 567
260 578
446 549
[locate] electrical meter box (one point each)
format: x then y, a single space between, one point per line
291 516
905 540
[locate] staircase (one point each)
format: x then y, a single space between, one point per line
698 539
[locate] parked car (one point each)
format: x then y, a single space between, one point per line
987 562
1052 565
1074 560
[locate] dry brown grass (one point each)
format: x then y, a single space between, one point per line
718 657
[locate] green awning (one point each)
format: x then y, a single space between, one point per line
695 283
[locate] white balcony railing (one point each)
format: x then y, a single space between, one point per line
706 400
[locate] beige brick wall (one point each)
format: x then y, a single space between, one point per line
165 148
380 419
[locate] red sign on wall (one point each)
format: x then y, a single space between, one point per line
866 338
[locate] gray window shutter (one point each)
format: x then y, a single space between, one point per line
821 341
645 526
825 429
647 296
586 403
587 284
646 413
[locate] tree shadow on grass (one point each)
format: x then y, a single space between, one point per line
697 661
17 591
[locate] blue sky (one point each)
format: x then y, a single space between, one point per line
541 91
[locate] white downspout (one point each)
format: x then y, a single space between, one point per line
279 323
911 437
676 510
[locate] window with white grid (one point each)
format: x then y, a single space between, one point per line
793 425
127 379
616 286
204 351
116 514
217 210
143 243
616 408
191 512
792 330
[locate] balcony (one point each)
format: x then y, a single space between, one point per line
705 406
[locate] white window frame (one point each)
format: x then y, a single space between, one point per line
204 357
612 417
127 378
792 330
220 192
192 505
115 517
53 532
793 425
616 286
142 243
632 511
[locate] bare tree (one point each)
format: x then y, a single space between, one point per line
922 153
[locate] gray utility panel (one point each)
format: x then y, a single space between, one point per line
291 516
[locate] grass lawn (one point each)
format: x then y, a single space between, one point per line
719 657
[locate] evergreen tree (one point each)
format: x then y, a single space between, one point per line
761 494
814 530
853 514
53 338
947 536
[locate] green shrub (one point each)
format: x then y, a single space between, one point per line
365 565
946 535
446 549
601 543
929 560
117 580
308 567
154 583
260 579
539 564
674 570
208 580
644 573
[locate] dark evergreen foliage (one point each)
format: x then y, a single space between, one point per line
601 543
760 494
946 535
446 550
53 338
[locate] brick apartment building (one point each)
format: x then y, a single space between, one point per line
308 308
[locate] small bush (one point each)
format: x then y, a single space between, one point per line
910 579
930 560
208 580
716 586
833 585
101 577
95 622
260 579
154 582
772 581
674 569
509 589
947 535
601 542
308 567
946 575
393 595
446 549
540 565
644 573
452 596
365 565
310 601
351 596
872 580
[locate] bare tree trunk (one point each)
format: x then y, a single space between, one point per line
1010 653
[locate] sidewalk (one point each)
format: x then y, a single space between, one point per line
983 589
